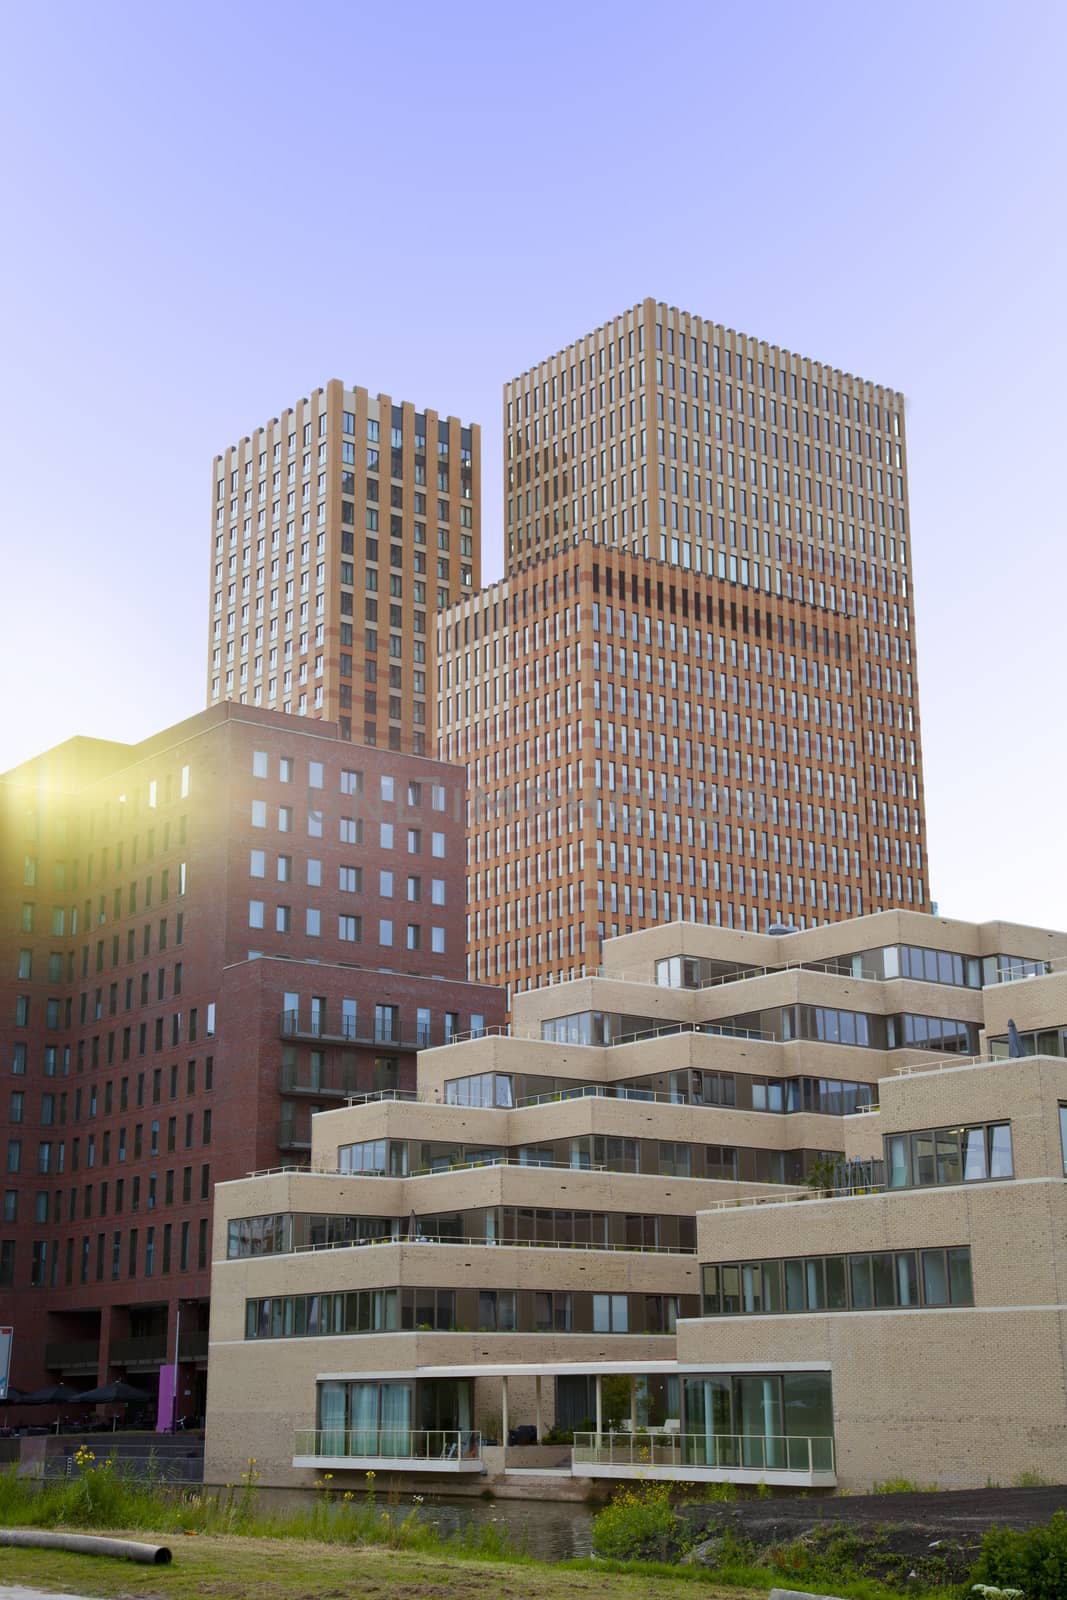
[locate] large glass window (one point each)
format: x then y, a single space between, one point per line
949 1155
884 1279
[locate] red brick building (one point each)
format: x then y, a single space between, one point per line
207 936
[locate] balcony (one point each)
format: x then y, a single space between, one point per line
192 1346
389 1449
148 1351
325 1083
292 1137
329 1029
789 1461
79 1355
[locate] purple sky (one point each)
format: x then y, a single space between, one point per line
208 210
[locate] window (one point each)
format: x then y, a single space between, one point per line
257 864
283 919
1063 1136
388 787
351 782
949 1156
259 813
437 891
385 884
286 764
385 837
259 763
350 929
437 941
285 819
315 824
313 922
889 1279
413 936
611 1313
285 869
314 774
350 879
255 913
314 873
385 931
438 844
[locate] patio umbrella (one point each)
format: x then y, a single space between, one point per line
13 1397
56 1394
113 1394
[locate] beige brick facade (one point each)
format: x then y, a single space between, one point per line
540 1215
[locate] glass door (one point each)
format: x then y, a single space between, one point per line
759 1414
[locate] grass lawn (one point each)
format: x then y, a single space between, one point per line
230 1568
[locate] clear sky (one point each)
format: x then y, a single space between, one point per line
209 209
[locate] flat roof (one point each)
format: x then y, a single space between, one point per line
574 1369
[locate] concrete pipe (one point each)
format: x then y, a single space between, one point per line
83 1544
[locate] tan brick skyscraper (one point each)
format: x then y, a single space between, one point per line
338 529
695 695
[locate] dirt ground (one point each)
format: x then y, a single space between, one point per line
935 1534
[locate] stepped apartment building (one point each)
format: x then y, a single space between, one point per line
934 1303
338 530
523 1243
694 695
207 937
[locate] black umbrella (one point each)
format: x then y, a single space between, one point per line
13 1397
57 1394
117 1393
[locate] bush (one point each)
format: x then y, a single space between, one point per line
640 1524
1031 1559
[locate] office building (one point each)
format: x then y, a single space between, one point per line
511 1249
647 744
210 935
338 530
694 695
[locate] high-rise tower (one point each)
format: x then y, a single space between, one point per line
694 696
338 529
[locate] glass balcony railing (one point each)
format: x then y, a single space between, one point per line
426 1449
729 1454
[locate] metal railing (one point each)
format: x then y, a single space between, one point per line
846 1192
403 1444
725 1452
913 1069
347 1030
290 1136
466 1240
434 1172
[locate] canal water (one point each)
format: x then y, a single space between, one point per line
553 1530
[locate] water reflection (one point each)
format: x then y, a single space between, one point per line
553 1530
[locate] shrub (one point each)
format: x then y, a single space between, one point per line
1031 1559
640 1524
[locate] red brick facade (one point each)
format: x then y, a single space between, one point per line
195 957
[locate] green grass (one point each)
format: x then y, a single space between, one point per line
227 1545
232 1567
